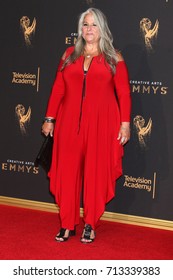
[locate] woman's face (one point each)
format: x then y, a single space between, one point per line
90 31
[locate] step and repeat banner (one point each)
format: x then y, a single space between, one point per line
34 35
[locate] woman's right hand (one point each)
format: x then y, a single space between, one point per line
48 128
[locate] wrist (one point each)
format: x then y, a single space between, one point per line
49 120
125 125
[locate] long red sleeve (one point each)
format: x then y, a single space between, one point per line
122 86
56 95
58 89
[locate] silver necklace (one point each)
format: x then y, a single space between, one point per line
89 55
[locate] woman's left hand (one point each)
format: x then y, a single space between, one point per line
124 133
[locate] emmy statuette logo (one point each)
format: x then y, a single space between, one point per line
28 29
23 118
143 131
149 33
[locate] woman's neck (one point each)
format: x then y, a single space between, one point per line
91 50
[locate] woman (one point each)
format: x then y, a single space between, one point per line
92 125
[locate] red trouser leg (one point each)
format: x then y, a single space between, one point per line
69 181
95 182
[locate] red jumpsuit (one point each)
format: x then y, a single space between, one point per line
86 150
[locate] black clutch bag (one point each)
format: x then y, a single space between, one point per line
44 157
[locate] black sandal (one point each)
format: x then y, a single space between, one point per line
60 236
87 234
